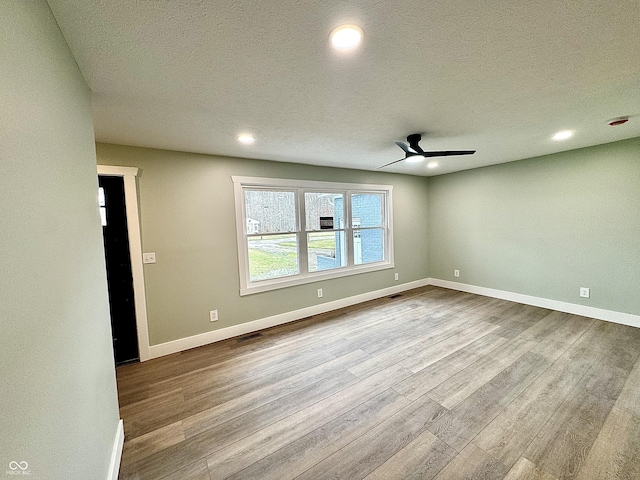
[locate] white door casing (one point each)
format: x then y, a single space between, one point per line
129 175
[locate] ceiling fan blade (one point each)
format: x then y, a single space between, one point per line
391 163
408 150
448 153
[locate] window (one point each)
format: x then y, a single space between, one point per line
368 227
103 206
292 232
272 238
325 227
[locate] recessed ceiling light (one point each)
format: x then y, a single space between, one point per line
246 138
414 159
346 37
563 135
432 164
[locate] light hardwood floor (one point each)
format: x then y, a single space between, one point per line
432 384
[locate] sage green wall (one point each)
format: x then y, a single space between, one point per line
58 395
188 218
544 226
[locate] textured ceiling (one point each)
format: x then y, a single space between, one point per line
498 76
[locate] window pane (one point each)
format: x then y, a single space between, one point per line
272 256
366 209
270 211
368 246
326 251
324 211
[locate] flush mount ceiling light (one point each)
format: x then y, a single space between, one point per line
432 164
563 135
346 37
246 138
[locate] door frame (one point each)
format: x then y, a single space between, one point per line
129 176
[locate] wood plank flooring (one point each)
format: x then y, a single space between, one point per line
432 384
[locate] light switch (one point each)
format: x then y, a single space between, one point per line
149 257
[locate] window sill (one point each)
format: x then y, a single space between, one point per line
268 285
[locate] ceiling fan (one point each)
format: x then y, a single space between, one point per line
412 149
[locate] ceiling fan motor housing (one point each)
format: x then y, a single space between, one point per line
413 141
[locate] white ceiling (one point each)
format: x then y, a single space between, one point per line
498 76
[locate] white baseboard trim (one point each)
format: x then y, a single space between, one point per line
116 452
583 310
267 322
194 341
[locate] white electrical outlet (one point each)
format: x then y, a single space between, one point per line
319 293
585 292
456 273
397 276
149 257
213 316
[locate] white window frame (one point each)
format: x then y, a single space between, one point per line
301 186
